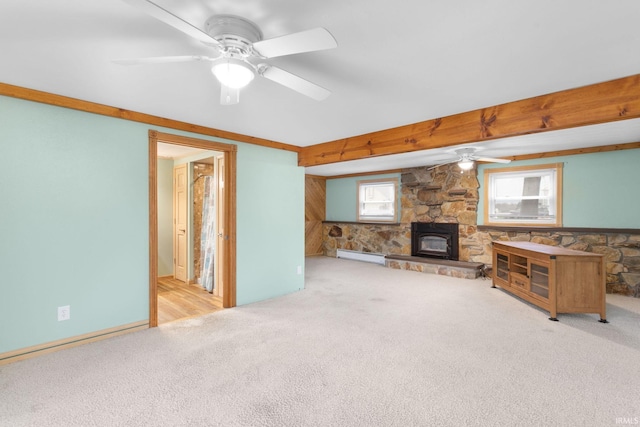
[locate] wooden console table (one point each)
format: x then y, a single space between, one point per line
555 279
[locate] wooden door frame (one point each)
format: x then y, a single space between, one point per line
229 247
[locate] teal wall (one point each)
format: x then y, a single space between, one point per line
270 234
74 226
599 190
74 191
165 217
342 196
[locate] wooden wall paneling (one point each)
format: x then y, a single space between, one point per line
314 212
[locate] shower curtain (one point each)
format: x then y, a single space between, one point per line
207 235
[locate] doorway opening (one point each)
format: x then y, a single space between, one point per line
224 233
188 224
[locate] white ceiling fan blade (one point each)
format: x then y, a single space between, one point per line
442 164
167 17
294 82
492 160
304 41
162 60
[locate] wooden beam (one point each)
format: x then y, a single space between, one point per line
598 103
105 110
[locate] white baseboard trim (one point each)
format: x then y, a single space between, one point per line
361 256
37 350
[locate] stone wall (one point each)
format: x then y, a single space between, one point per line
443 194
377 238
439 195
621 250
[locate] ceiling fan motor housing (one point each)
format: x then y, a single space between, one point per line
466 154
235 34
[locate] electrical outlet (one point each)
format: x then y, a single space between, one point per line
64 313
299 269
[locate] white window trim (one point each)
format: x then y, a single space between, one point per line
488 201
363 218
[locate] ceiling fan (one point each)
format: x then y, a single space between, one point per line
466 157
238 43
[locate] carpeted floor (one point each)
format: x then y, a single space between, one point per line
362 345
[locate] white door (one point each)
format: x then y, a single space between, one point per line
180 221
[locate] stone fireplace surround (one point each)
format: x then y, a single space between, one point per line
446 195
442 195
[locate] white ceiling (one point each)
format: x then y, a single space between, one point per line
172 151
396 63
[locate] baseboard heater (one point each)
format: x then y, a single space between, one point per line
361 256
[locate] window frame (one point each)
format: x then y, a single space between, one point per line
384 220
491 173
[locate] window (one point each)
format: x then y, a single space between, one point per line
377 200
530 195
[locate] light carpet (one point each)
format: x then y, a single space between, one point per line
362 345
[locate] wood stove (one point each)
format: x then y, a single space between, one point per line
434 240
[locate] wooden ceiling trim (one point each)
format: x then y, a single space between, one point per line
358 174
588 105
545 155
574 151
105 110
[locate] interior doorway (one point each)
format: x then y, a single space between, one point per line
225 224
187 202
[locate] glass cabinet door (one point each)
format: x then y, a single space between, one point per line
502 267
540 280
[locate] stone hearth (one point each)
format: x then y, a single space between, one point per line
459 269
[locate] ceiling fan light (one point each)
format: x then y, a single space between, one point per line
232 72
465 165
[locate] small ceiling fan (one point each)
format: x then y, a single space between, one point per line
238 43
466 157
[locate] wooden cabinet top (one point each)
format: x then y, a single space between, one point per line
543 249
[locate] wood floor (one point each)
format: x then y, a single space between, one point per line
179 300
